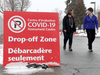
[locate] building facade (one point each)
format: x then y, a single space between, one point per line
99 18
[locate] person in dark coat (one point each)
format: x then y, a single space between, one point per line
90 22
68 29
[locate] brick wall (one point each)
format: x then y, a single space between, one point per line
99 18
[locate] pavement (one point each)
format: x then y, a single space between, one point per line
77 62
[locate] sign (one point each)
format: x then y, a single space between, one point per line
16 24
31 37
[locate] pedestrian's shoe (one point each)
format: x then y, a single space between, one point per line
64 47
90 50
70 49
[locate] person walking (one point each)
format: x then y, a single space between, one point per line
90 22
68 29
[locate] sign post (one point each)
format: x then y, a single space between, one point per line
31 37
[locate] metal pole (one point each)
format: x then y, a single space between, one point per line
94 7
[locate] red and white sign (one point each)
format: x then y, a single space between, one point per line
16 24
31 37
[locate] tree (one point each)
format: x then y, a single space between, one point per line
14 5
70 4
1 6
79 10
79 13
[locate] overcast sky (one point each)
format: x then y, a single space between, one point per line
51 5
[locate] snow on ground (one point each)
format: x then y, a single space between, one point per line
26 71
20 68
81 33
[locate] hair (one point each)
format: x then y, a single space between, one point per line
69 12
90 9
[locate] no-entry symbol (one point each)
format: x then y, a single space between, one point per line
16 24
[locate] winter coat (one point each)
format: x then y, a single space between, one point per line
89 23
66 25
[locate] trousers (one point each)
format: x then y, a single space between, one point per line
68 36
90 36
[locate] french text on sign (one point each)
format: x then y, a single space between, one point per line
26 51
28 58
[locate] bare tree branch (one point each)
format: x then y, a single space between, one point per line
14 5
1 6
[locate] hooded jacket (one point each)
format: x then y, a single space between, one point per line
66 25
